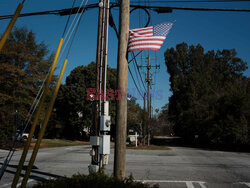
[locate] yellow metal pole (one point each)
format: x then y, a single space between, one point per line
33 127
42 131
10 26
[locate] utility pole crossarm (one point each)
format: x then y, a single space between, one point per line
148 79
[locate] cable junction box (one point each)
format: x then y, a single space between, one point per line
105 144
105 123
94 140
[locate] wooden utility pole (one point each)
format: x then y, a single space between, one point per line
148 79
122 83
95 128
145 122
104 49
144 106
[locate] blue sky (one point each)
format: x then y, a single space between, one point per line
213 30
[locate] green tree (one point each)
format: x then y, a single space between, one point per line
24 64
162 125
209 97
136 117
74 112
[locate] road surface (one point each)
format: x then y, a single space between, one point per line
179 167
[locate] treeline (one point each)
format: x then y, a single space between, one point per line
211 96
73 113
24 66
210 102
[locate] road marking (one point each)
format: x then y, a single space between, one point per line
246 183
170 181
189 184
202 185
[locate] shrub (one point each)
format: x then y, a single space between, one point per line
95 180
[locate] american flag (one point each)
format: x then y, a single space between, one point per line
148 38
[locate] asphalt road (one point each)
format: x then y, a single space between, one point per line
179 167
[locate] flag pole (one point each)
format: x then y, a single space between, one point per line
42 131
33 127
10 26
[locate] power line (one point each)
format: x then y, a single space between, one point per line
205 1
134 81
159 9
68 18
59 12
40 92
139 71
137 75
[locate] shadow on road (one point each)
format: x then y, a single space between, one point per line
179 142
39 174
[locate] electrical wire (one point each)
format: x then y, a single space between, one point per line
135 56
63 12
135 69
134 82
74 27
75 17
167 9
58 12
139 72
206 1
39 95
73 38
117 34
68 18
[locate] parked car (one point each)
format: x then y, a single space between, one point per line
20 137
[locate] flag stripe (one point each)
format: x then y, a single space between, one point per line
145 34
141 29
142 33
157 43
136 49
147 39
146 47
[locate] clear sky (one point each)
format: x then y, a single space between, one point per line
213 30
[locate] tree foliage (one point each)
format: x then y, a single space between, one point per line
210 95
136 117
161 124
24 65
73 111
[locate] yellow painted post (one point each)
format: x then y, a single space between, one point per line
10 26
33 127
42 131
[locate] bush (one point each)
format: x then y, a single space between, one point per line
91 181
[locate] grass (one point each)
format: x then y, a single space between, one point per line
51 143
